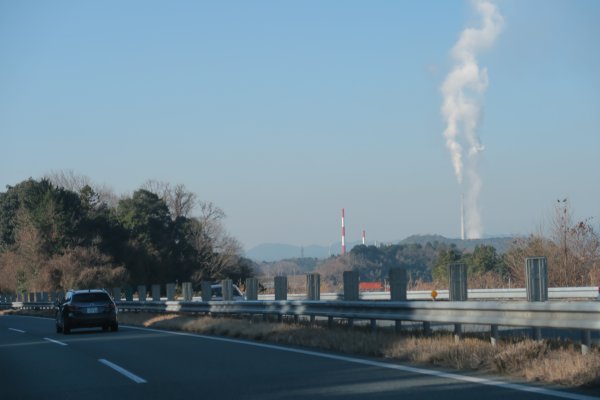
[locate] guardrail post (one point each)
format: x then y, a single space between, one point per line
427 328
142 293
494 335
170 291
457 283
536 275
281 288
373 325
313 287
186 288
351 292
398 289
251 289
206 291
586 341
128 293
155 292
313 290
117 293
398 284
227 289
397 326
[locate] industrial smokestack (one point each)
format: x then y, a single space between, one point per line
463 91
462 217
343 234
363 237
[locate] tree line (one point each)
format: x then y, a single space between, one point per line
571 247
59 232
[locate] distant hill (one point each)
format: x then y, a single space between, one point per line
502 244
277 251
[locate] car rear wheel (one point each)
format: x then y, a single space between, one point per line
115 327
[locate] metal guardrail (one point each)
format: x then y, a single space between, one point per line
577 315
573 315
563 315
579 293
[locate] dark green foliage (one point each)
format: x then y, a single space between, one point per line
424 262
52 238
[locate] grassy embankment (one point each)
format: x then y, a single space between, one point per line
553 362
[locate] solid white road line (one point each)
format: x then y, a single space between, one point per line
123 371
55 341
397 367
16 330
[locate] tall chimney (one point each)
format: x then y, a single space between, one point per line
363 237
343 234
462 217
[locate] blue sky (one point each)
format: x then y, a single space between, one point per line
282 113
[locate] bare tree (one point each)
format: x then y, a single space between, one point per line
221 250
69 180
572 250
180 201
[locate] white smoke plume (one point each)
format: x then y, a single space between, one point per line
462 93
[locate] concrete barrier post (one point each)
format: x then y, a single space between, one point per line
351 286
457 282
251 289
156 292
281 288
398 284
313 287
117 293
227 289
170 291
206 291
536 275
142 293
186 288
458 290
128 293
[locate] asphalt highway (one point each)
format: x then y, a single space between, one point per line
134 363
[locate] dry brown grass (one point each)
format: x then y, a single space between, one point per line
544 361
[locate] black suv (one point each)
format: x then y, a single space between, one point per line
85 309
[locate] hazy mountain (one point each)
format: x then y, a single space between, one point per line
278 251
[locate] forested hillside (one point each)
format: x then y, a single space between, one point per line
55 238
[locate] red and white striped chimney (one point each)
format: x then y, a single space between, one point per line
343 234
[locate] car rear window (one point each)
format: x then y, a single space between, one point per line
90 297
